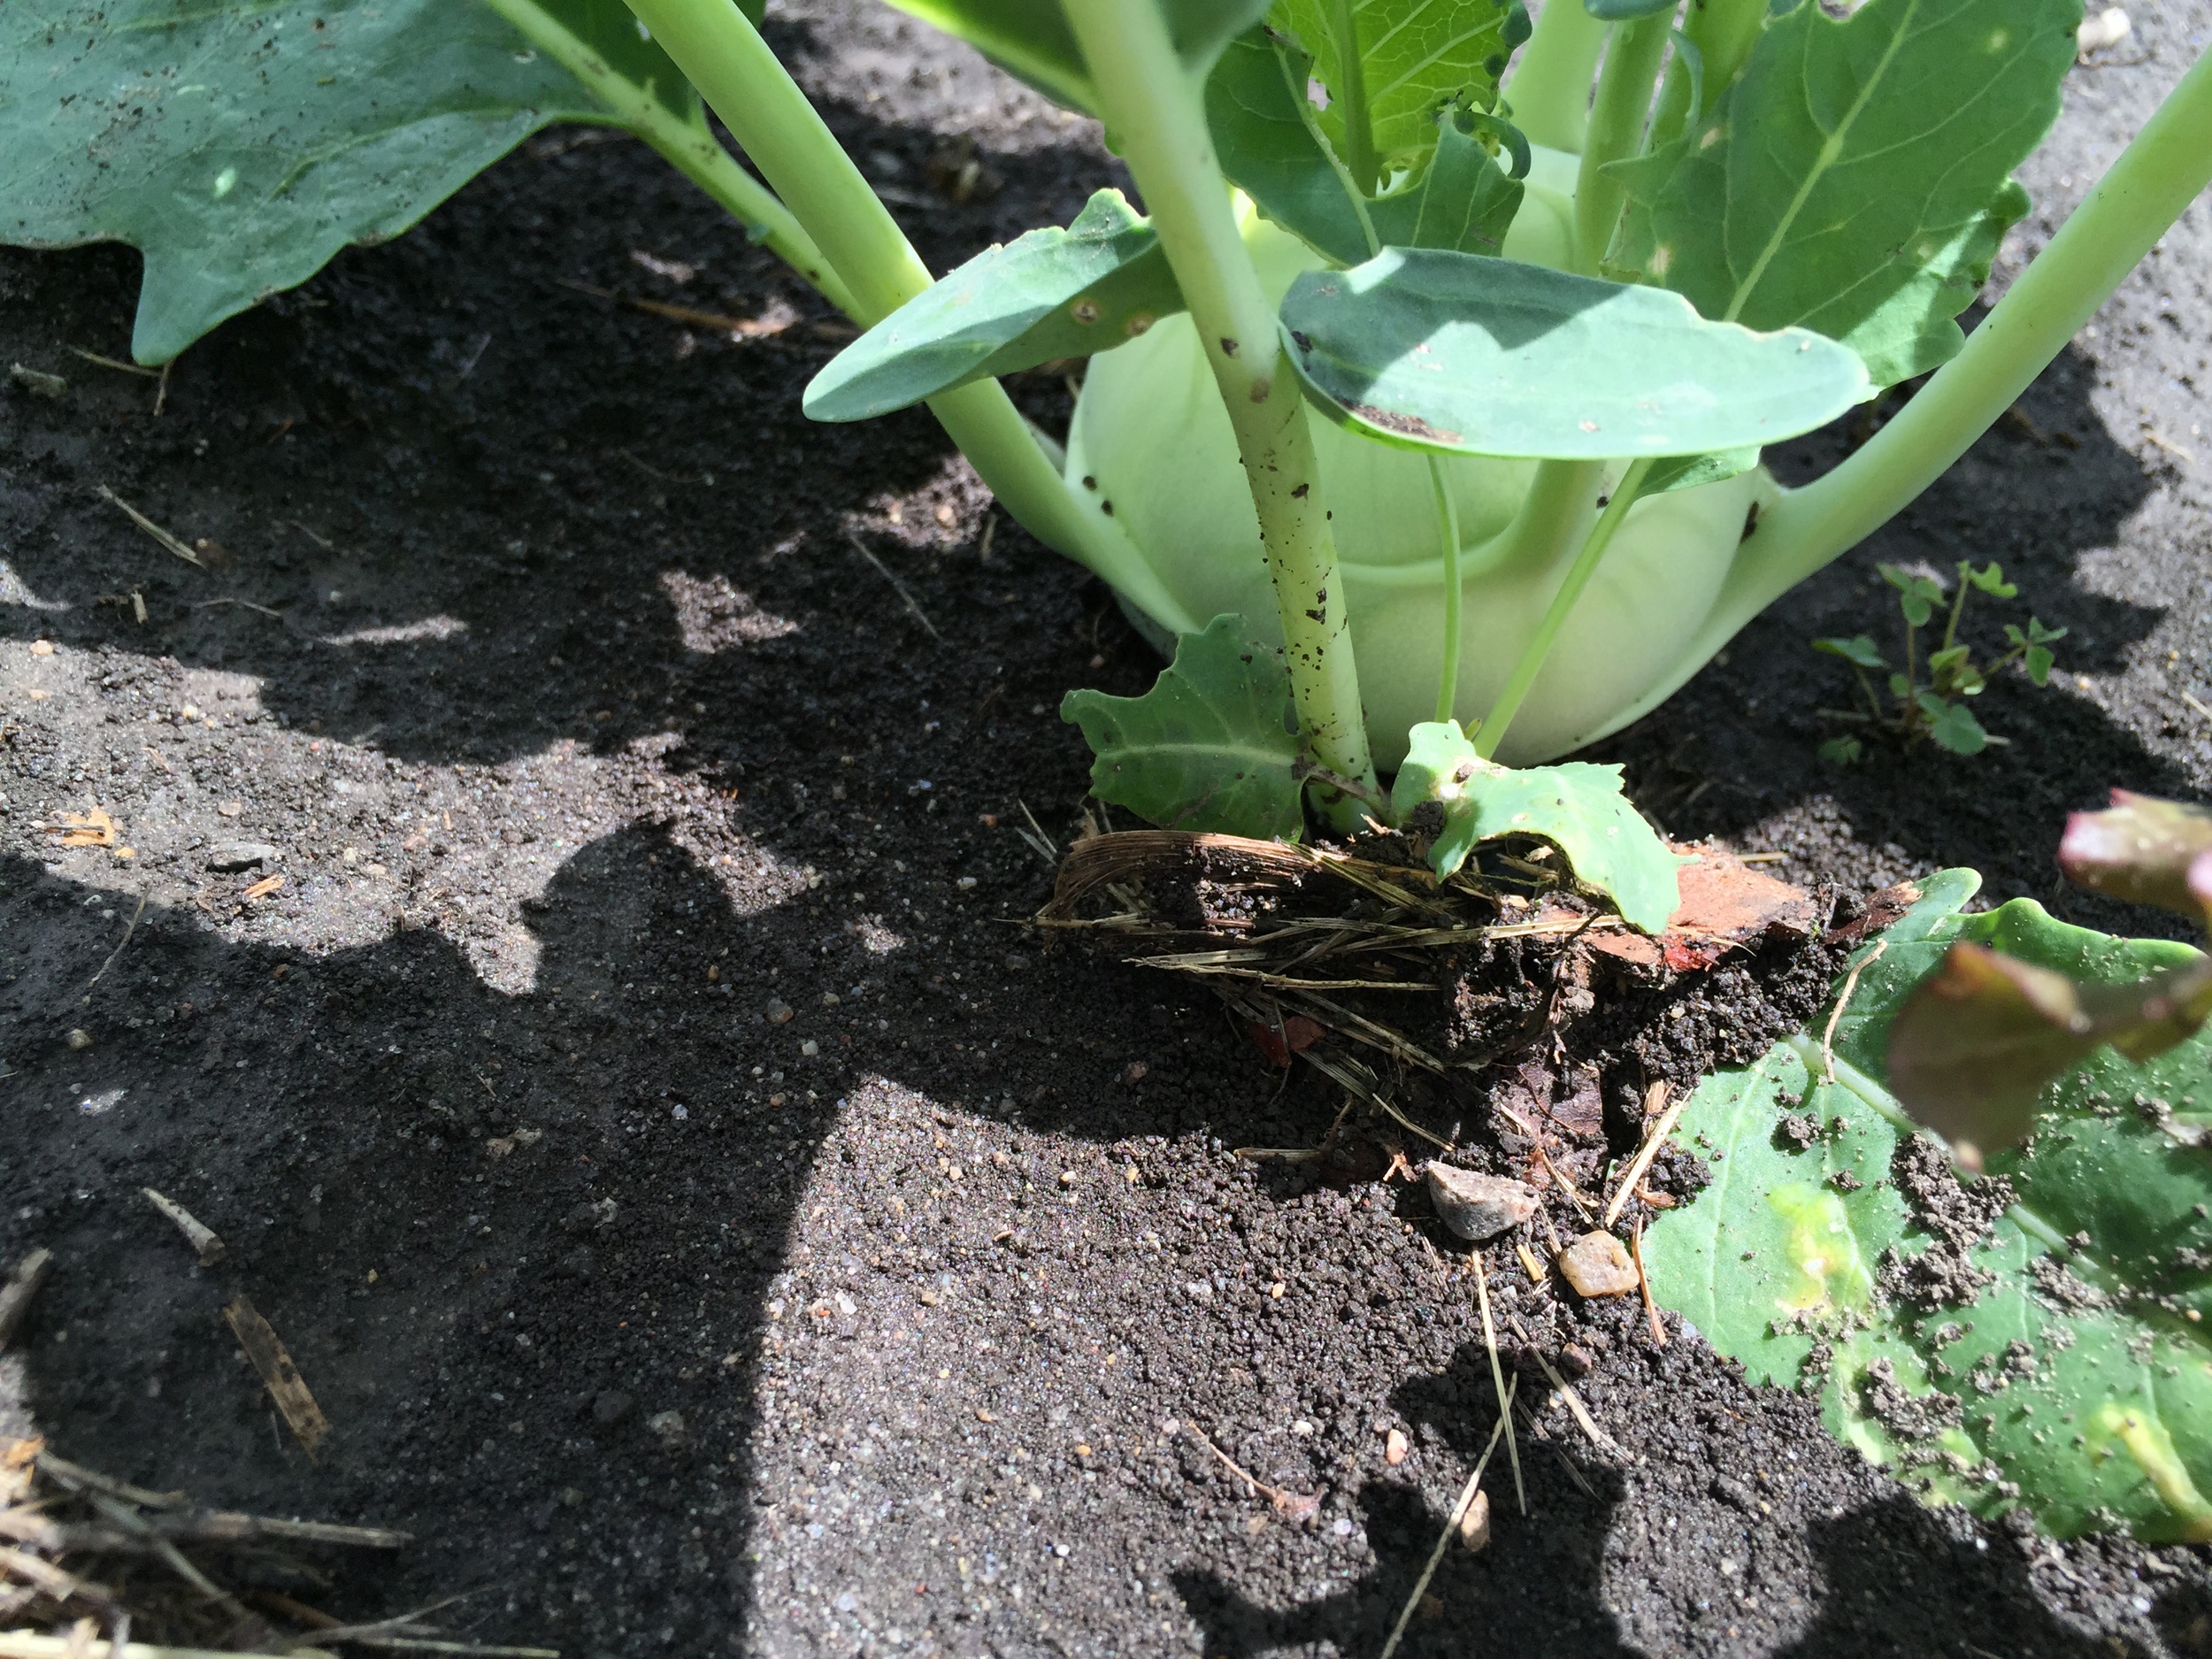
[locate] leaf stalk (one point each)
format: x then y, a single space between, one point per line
1531 661
1153 105
1616 132
715 45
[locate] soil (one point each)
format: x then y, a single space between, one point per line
708 1219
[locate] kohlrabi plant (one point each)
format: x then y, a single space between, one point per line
1426 392
1928 695
2024 1328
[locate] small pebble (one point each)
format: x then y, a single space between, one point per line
1474 1526
1479 1207
80 1039
779 1013
611 1408
1597 1264
1394 1448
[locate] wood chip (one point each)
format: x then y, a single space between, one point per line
95 828
269 1358
262 888
196 1233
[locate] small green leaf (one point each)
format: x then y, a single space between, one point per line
2023 1374
1269 152
1050 294
1991 580
1577 807
1917 594
238 144
2042 636
1843 751
1854 177
1209 747
1463 199
1418 57
1900 687
1435 350
1951 727
1688 471
2038 660
1858 648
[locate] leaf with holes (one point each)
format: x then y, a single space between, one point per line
1577 807
1414 59
1948 1328
1210 747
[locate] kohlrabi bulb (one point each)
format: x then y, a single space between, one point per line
1151 446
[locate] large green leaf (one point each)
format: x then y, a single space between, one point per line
1575 806
1031 39
1210 747
240 144
1270 151
1855 179
1051 294
1436 349
1416 57
1955 1334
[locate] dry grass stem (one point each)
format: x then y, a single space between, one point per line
1451 1524
1655 1137
1850 984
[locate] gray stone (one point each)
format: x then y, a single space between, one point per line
1479 1207
233 855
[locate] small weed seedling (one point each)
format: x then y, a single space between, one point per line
1935 709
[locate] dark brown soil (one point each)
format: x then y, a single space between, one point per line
707 1219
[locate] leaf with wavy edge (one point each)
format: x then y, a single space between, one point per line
1433 348
240 144
1577 807
1855 177
1210 747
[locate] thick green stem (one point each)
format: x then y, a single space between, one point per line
688 146
1447 539
1153 105
2155 178
1722 33
1551 89
1359 127
1539 647
725 57
1617 131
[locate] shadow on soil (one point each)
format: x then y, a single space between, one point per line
474 562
